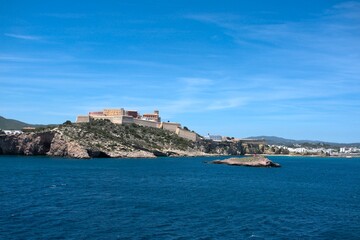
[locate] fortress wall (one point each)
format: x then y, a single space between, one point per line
146 123
82 119
110 118
126 120
186 134
170 126
114 112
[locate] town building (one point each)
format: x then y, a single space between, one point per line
12 132
152 116
28 129
216 138
132 113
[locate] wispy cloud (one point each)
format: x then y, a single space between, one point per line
23 37
193 81
66 15
227 103
296 56
349 10
58 57
314 31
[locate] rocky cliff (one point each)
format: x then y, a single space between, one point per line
105 139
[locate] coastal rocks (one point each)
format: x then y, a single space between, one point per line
64 148
103 139
228 148
256 161
219 148
26 144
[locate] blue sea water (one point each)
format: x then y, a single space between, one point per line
178 198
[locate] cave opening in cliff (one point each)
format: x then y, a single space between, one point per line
97 154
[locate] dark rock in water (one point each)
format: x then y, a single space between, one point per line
256 161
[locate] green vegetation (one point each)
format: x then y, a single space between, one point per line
102 138
102 134
68 122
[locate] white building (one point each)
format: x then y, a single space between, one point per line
12 132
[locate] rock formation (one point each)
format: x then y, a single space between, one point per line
256 161
105 139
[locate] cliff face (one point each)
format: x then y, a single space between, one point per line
43 143
26 144
105 139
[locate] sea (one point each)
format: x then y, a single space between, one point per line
178 198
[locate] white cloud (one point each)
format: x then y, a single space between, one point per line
227 103
193 81
24 37
66 15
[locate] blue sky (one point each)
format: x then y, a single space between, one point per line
235 68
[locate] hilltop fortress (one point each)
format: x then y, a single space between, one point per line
122 116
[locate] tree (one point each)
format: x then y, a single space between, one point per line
68 122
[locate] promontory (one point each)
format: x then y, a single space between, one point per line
102 138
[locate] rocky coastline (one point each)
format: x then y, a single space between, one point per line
103 139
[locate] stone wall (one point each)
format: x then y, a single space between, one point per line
82 119
126 120
170 126
186 134
110 118
146 123
114 112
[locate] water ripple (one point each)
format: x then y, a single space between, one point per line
179 199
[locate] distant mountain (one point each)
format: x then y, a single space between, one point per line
11 124
272 140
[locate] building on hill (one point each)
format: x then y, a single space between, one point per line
121 116
83 119
132 113
12 132
28 129
114 112
96 114
216 138
152 116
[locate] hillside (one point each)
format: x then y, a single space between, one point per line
272 140
101 138
12 124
